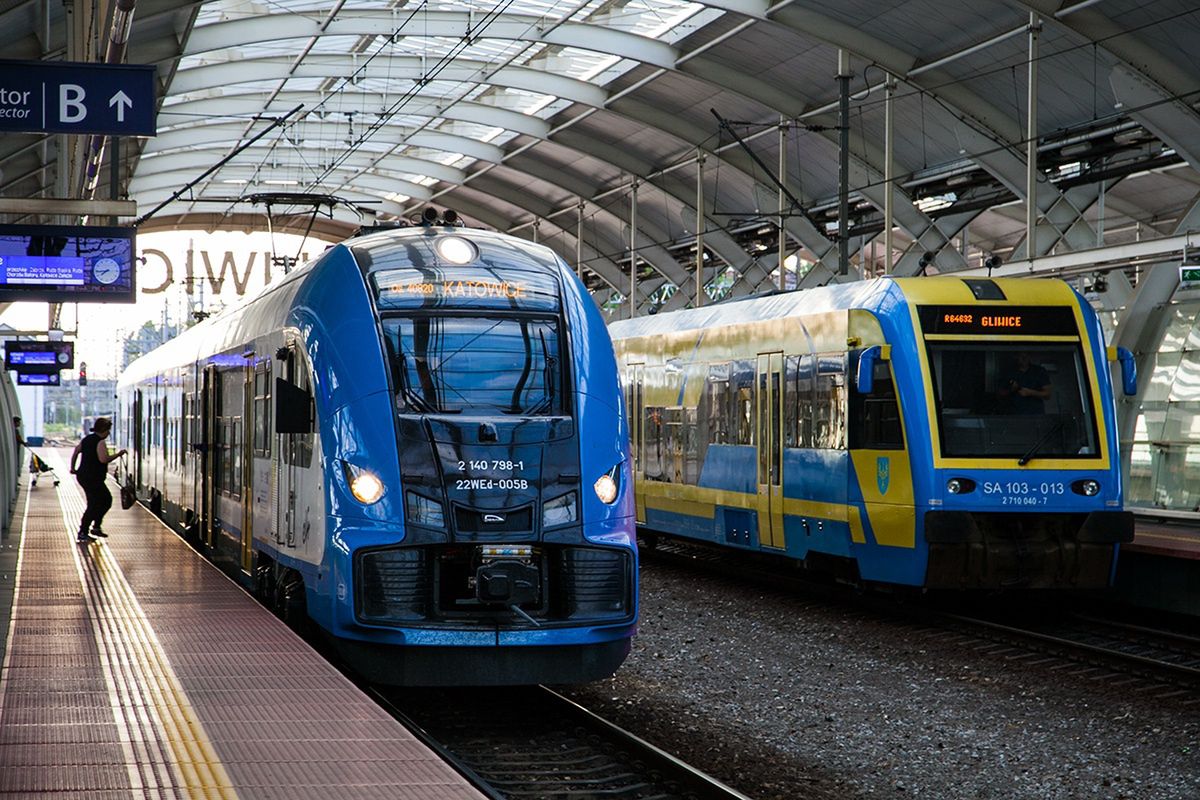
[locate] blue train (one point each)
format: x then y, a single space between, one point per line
929 432
417 441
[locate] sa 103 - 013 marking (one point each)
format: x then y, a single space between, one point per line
1024 493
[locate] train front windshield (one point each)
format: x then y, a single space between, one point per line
480 365
1012 399
479 340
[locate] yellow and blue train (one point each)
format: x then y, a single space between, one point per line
416 441
936 432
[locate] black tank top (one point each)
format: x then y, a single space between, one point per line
90 470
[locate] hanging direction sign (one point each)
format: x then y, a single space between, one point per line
73 97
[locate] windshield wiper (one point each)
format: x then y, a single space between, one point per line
1055 428
411 398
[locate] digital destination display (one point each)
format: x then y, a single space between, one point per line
39 357
37 379
468 287
998 320
62 263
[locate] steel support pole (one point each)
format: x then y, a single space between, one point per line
633 250
1031 141
889 172
699 228
782 202
579 242
843 162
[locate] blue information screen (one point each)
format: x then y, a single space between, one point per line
38 357
61 263
37 379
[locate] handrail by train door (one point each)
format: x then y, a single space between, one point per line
247 446
139 427
634 402
769 441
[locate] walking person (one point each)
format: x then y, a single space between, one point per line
89 465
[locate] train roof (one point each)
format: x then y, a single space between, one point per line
880 295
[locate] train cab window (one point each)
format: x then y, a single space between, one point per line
477 364
1012 399
875 418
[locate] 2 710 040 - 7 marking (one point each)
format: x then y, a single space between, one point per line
1023 493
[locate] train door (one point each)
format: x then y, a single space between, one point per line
770 450
293 422
210 401
633 400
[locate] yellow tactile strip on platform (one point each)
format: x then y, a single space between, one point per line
148 701
194 691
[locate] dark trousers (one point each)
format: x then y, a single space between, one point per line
99 501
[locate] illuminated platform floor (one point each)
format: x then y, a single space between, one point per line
133 668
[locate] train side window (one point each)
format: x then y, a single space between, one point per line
829 402
262 409
717 404
798 401
652 433
185 428
875 418
741 383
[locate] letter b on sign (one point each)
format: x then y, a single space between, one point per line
70 103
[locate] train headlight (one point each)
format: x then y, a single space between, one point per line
1087 488
456 250
608 485
560 511
364 484
423 511
960 485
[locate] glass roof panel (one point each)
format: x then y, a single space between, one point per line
363 95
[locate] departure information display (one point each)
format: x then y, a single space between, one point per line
998 320
61 263
39 357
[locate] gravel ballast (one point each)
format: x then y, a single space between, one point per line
782 697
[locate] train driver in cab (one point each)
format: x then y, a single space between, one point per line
1026 388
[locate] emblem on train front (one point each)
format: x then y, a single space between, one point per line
883 471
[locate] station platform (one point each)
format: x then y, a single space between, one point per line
1160 568
134 668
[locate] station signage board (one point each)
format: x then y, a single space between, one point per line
1189 276
38 358
63 263
36 379
71 97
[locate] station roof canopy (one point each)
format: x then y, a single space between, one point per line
548 118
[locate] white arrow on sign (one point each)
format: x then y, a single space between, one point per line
121 101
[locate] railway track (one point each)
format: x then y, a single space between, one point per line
534 743
1153 653
1167 657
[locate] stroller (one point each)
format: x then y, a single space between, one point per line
37 466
